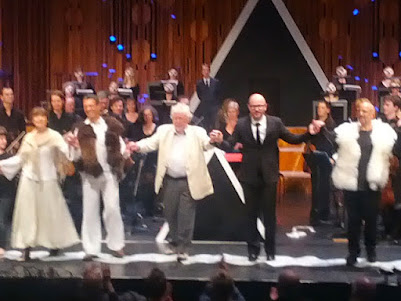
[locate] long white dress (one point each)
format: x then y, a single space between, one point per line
41 216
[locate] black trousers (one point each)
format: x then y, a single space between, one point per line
321 168
6 211
260 202
362 206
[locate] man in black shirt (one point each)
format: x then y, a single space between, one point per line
7 195
11 118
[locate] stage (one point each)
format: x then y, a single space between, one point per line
316 258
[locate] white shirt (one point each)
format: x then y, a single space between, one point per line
262 128
207 81
100 128
177 158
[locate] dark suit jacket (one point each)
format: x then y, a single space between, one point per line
209 96
260 163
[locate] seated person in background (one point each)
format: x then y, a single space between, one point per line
10 117
221 287
130 82
388 74
69 90
320 166
104 102
132 111
228 117
395 87
173 79
7 196
341 78
331 93
113 89
59 120
81 83
69 106
117 111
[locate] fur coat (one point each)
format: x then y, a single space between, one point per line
87 141
345 171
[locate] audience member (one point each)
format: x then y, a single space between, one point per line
288 287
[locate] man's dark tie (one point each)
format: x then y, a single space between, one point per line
258 134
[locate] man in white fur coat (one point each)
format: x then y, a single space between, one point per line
362 170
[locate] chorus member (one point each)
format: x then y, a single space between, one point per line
228 117
342 77
361 170
331 93
69 106
10 117
7 196
395 87
81 83
259 172
208 90
104 102
182 176
388 74
320 165
130 82
59 119
173 79
69 90
41 216
113 89
99 151
131 114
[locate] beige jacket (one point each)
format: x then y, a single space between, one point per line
199 181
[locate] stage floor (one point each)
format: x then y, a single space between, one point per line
315 257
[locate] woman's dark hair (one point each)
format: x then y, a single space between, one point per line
141 118
59 94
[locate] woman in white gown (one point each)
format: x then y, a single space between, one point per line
41 216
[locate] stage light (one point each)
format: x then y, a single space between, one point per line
120 79
173 17
104 65
377 109
145 95
153 56
355 12
374 88
349 67
112 39
357 78
399 54
375 54
112 70
92 73
128 56
340 57
120 47
366 80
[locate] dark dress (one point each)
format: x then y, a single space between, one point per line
63 124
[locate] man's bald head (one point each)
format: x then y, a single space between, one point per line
366 112
257 106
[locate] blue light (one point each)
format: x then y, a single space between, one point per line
375 54
366 80
92 73
373 0
145 95
374 88
355 12
173 17
357 78
120 47
104 65
141 100
120 79
112 39
153 56
340 57
377 108
112 70
349 67
399 54
128 56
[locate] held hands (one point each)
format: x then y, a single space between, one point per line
216 136
132 147
315 126
71 139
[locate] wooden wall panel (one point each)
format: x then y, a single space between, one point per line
44 40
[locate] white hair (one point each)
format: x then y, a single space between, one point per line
181 108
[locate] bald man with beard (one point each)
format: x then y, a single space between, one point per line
361 170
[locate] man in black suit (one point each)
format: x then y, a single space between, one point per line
259 172
208 90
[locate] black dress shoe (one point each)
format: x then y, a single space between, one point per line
54 252
252 257
89 257
270 256
371 256
351 260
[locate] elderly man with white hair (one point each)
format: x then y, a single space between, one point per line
182 176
